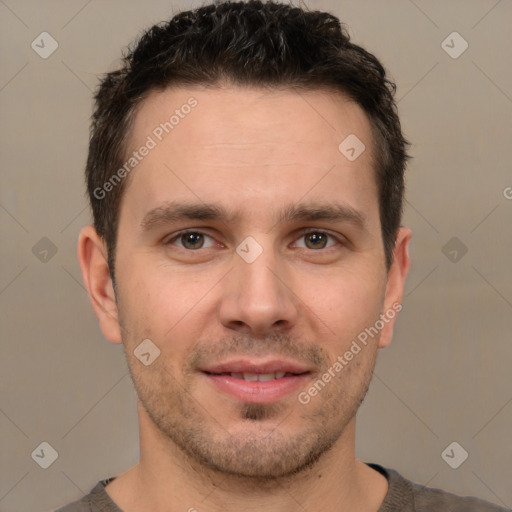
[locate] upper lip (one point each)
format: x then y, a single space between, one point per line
253 366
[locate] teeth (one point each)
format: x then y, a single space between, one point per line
262 377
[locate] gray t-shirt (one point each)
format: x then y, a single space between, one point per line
403 496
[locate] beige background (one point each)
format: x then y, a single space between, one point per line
446 376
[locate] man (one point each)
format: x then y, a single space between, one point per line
245 173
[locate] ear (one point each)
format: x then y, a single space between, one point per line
395 285
92 256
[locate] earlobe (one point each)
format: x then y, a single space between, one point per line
92 256
395 284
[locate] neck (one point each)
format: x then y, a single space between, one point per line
167 479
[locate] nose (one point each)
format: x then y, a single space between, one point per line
258 298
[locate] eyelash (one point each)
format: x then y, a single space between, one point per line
178 235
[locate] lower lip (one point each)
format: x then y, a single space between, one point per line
256 391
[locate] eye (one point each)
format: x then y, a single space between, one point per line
316 240
191 240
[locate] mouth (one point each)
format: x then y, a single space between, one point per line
250 381
256 377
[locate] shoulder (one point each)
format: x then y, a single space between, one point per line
96 501
407 496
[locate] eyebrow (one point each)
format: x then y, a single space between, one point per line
178 211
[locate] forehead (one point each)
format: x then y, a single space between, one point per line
249 115
260 145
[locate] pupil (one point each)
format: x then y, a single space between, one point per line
316 240
192 240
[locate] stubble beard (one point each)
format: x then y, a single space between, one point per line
271 442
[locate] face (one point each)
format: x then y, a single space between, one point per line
250 255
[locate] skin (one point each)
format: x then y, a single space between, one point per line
251 151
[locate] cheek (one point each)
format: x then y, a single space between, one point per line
165 305
346 302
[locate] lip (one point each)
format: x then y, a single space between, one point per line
253 366
257 391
